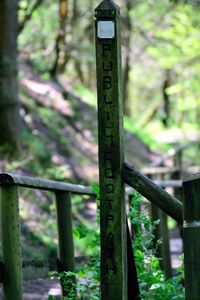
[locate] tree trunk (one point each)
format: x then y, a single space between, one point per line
166 99
61 52
128 24
9 104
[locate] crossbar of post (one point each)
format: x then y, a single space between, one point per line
11 248
44 184
191 236
113 235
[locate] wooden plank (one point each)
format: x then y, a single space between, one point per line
65 238
65 231
111 153
11 248
146 187
133 285
191 236
44 184
1 272
165 247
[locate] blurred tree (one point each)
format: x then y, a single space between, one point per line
9 104
28 12
127 41
166 98
61 49
156 37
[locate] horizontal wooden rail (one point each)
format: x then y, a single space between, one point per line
44 184
40 268
171 153
169 183
158 170
166 202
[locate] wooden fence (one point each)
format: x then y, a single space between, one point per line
12 267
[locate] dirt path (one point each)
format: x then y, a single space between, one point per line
40 289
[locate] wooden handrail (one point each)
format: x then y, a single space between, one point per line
166 202
44 184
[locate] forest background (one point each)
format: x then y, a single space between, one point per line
56 92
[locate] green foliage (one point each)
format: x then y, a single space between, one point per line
153 285
37 47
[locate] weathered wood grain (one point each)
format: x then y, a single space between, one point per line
191 236
146 187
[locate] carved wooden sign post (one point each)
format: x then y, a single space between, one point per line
111 153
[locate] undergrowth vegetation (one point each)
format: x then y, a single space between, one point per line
152 281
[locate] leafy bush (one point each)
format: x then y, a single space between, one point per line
153 285
152 282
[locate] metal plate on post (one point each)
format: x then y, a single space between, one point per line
106 29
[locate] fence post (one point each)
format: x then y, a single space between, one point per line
65 235
191 236
161 232
111 154
178 173
11 248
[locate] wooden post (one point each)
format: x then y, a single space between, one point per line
161 232
65 234
164 247
178 165
111 153
191 236
11 248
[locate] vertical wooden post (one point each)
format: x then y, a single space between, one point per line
191 236
65 233
161 232
111 153
178 173
164 247
11 248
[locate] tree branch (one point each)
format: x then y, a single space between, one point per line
29 15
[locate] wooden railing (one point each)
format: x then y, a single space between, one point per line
186 214
12 268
